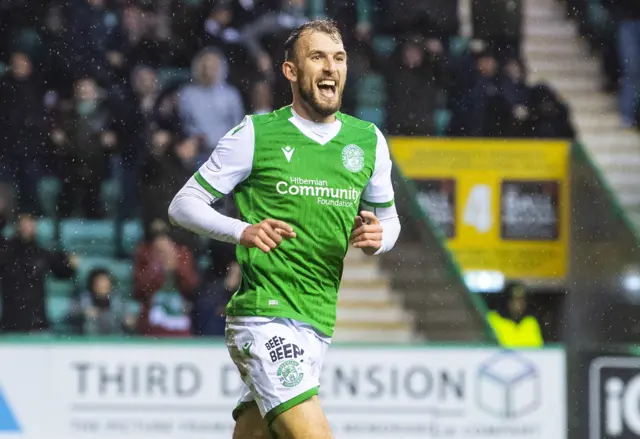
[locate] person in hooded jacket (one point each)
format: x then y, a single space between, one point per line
209 107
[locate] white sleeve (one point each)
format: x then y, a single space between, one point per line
191 209
390 223
379 190
229 165
230 162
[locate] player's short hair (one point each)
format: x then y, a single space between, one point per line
328 27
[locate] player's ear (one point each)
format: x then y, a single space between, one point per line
290 71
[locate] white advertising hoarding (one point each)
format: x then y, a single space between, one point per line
171 390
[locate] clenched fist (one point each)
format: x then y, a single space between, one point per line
266 235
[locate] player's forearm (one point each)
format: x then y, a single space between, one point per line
388 217
390 233
191 209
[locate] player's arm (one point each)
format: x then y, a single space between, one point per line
377 228
229 165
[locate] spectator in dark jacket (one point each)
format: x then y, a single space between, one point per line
22 131
24 266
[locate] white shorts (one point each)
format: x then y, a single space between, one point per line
279 361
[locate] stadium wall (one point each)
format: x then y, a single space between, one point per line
143 389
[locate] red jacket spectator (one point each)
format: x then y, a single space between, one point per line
165 277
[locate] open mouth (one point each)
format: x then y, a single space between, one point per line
327 88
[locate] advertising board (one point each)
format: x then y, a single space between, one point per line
502 204
165 391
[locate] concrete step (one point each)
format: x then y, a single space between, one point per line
575 50
374 315
597 122
584 67
611 141
556 29
363 272
381 294
591 104
617 178
350 335
618 159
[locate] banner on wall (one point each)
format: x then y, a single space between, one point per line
503 205
73 391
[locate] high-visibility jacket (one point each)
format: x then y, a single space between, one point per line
512 334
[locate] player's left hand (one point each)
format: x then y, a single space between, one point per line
366 233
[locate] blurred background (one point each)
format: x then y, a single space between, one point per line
514 129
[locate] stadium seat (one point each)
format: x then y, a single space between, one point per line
48 190
372 114
58 308
86 237
132 235
371 91
167 76
442 119
458 46
109 194
59 287
383 45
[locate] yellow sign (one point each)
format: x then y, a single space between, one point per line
502 204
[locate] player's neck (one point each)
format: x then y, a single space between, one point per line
306 112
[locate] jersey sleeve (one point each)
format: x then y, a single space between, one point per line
230 162
379 190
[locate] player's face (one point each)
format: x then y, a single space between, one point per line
321 64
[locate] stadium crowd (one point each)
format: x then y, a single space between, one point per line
110 106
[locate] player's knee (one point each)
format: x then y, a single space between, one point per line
304 421
250 425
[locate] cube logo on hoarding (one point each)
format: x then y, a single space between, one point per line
614 398
508 385
8 422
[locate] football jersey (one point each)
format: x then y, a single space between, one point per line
313 177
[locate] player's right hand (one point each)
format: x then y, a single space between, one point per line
266 235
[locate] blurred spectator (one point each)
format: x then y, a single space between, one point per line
515 326
550 116
99 310
24 266
413 81
261 98
87 33
168 167
220 281
517 96
83 140
627 14
165 279
488 115
210 107
22 129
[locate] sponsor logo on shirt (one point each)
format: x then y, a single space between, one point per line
319 189
214 164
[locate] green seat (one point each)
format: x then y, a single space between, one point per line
131 236
371 91
372 114
48 191
59 287
58 308
170 75
383 45
442 119
110 195
87 238
28 40
458 46
122 271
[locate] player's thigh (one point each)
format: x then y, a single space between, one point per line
250 425
304 421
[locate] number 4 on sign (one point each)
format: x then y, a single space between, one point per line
477 209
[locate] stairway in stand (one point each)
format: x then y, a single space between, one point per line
555 53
